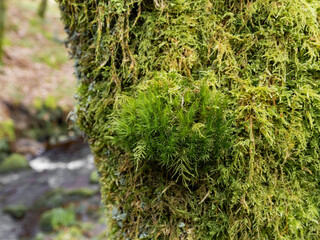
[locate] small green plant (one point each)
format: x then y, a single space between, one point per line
172 124
56 218
13 163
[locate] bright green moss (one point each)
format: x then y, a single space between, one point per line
185 133
201 112
56 218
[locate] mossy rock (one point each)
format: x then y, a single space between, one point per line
80 193
56 218
16 211
201 112
59 196
52 199
13 163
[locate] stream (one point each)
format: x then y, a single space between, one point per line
65 166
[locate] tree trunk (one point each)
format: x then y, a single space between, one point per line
2 21
42 8
203 115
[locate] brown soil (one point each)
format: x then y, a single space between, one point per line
24 78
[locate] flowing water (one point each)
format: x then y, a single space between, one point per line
66 166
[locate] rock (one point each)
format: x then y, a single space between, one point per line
8 228
27 146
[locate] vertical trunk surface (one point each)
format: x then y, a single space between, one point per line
2 21
42 8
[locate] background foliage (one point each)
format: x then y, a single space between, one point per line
203 115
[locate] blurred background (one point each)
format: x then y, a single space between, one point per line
48 184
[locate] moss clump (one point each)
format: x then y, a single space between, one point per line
94 177
201 112
57 218
80 193
16 211
13 163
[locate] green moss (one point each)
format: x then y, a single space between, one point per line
16 211
7 130
57 218
13 163
201 112
94 177
80 193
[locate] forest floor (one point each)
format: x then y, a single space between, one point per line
36 64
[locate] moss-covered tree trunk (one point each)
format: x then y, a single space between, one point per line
2 20
42 8
203 115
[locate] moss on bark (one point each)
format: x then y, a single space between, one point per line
203 115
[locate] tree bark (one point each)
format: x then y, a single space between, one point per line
42 8
2 21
